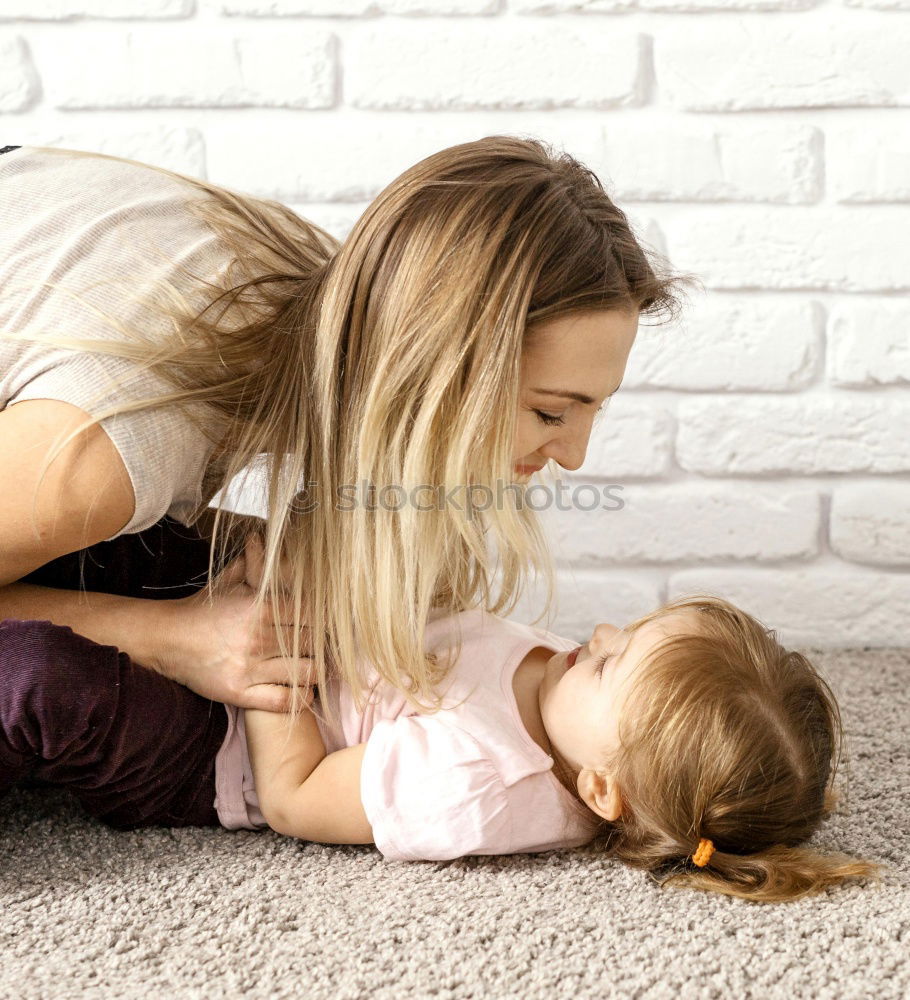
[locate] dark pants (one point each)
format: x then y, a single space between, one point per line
136 748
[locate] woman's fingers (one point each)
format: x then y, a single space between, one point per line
265 643
274 670
284 617
272 697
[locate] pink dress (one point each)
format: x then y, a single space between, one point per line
468 779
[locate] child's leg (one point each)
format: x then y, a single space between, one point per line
136 748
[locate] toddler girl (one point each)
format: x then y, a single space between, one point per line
689 744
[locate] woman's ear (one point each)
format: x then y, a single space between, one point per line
601 793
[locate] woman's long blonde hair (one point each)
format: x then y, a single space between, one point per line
390 359
731 737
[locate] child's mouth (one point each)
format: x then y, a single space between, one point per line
572 657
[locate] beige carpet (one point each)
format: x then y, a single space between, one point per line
89 912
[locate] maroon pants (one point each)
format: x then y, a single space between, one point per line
135 748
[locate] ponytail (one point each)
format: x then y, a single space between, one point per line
777 874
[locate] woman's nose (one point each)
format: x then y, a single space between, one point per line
569 452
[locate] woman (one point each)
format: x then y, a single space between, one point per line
462 336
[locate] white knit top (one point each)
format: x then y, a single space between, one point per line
79 222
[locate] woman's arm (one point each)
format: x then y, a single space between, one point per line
85 496
302 791
225 650
134 625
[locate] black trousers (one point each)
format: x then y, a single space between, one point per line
135 748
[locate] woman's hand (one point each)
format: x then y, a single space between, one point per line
228 652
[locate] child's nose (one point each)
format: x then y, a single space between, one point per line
603 635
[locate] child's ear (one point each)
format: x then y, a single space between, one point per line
601 793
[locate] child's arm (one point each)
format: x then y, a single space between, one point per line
302 791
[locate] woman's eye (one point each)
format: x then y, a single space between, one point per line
552 419
600 668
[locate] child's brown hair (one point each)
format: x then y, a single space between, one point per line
728 736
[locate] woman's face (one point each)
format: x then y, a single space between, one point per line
585 354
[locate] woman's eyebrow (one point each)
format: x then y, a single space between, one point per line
579 397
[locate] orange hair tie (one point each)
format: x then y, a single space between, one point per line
703 855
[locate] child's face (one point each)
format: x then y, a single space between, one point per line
581 705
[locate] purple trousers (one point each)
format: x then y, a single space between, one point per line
135 748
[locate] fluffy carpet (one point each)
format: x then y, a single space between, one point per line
90 912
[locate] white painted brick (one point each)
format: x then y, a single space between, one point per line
880 4
19 84
750 63
630 438
647 230
493 63
869 160
332 159
247 492
178 149
704 161
685 6
585 598
821 607
69 10
674 6
843 432
696 521
160 69
353 159
357 8
731 343
869 342
870 523
570 6
839 249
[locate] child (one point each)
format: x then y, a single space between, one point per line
689 744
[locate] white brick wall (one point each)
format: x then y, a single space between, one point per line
762 444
